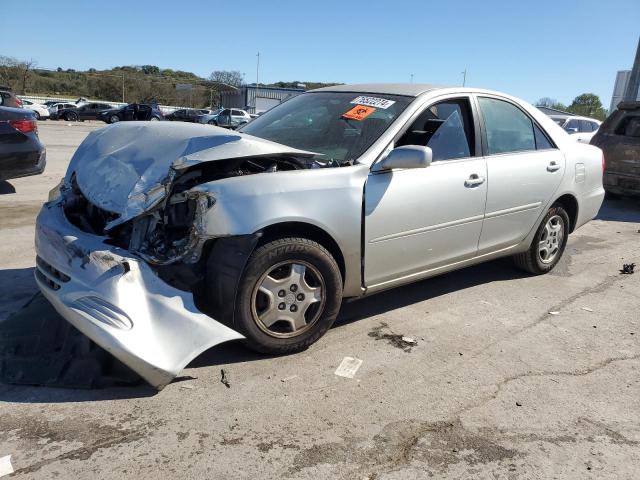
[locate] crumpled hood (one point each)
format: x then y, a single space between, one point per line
126 168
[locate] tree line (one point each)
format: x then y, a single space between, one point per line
586 105
138 83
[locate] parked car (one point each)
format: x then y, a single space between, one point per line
619 138
230 118
133 111
50 103
53 109
21 152
581 129
192 115
87 111
8 98
184 236
41 111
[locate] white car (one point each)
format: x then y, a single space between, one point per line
41 111
581 129
57 106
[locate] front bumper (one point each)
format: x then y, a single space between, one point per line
119 302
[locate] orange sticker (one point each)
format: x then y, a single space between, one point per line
359 112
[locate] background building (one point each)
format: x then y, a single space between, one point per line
257 99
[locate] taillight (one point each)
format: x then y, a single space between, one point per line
24 126
18 102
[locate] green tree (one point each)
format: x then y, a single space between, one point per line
588 105
550 103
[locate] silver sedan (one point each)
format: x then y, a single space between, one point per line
165 239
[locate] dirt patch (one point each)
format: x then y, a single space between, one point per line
436 445
397 340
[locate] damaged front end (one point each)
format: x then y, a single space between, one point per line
120 251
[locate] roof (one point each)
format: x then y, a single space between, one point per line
408 89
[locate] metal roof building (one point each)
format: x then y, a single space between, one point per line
257 99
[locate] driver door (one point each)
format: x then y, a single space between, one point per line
417 220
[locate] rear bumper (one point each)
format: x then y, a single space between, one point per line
589 206
119 302
23 164
622 183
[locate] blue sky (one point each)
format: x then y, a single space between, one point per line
556 48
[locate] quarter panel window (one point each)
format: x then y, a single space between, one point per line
508 129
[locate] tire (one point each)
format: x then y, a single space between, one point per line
267 317
71 117
549 243
37 115
212 122
154 119
114 119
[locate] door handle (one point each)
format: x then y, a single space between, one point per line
474 180
553 167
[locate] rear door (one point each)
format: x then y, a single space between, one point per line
524 170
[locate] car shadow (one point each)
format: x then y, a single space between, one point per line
380 303
6 188
622 209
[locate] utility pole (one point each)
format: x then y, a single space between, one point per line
123 87
255 95
464 77
412 78
631 92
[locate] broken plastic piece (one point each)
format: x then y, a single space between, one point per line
587 309
627 268
224 378
554 313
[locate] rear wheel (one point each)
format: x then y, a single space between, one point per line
289 296
37 115
154 119
548 244
71 117
114 119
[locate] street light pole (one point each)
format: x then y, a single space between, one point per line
464 77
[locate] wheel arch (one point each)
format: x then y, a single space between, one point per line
306 230
570 203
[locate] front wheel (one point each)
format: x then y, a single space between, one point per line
71 117
154 119
114 119
548 244
288 297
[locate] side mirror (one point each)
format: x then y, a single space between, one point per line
407 156
571 131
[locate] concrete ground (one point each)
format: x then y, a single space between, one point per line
496 387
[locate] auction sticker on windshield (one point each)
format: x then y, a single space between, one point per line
359 112
373 102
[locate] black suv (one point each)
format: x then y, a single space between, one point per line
133 111
88 111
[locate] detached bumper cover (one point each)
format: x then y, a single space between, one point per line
118 301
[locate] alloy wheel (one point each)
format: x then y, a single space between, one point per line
288 299
551 239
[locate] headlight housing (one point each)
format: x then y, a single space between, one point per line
56 191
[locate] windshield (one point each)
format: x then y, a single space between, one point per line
339 126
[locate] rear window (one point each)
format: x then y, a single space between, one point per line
626 124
